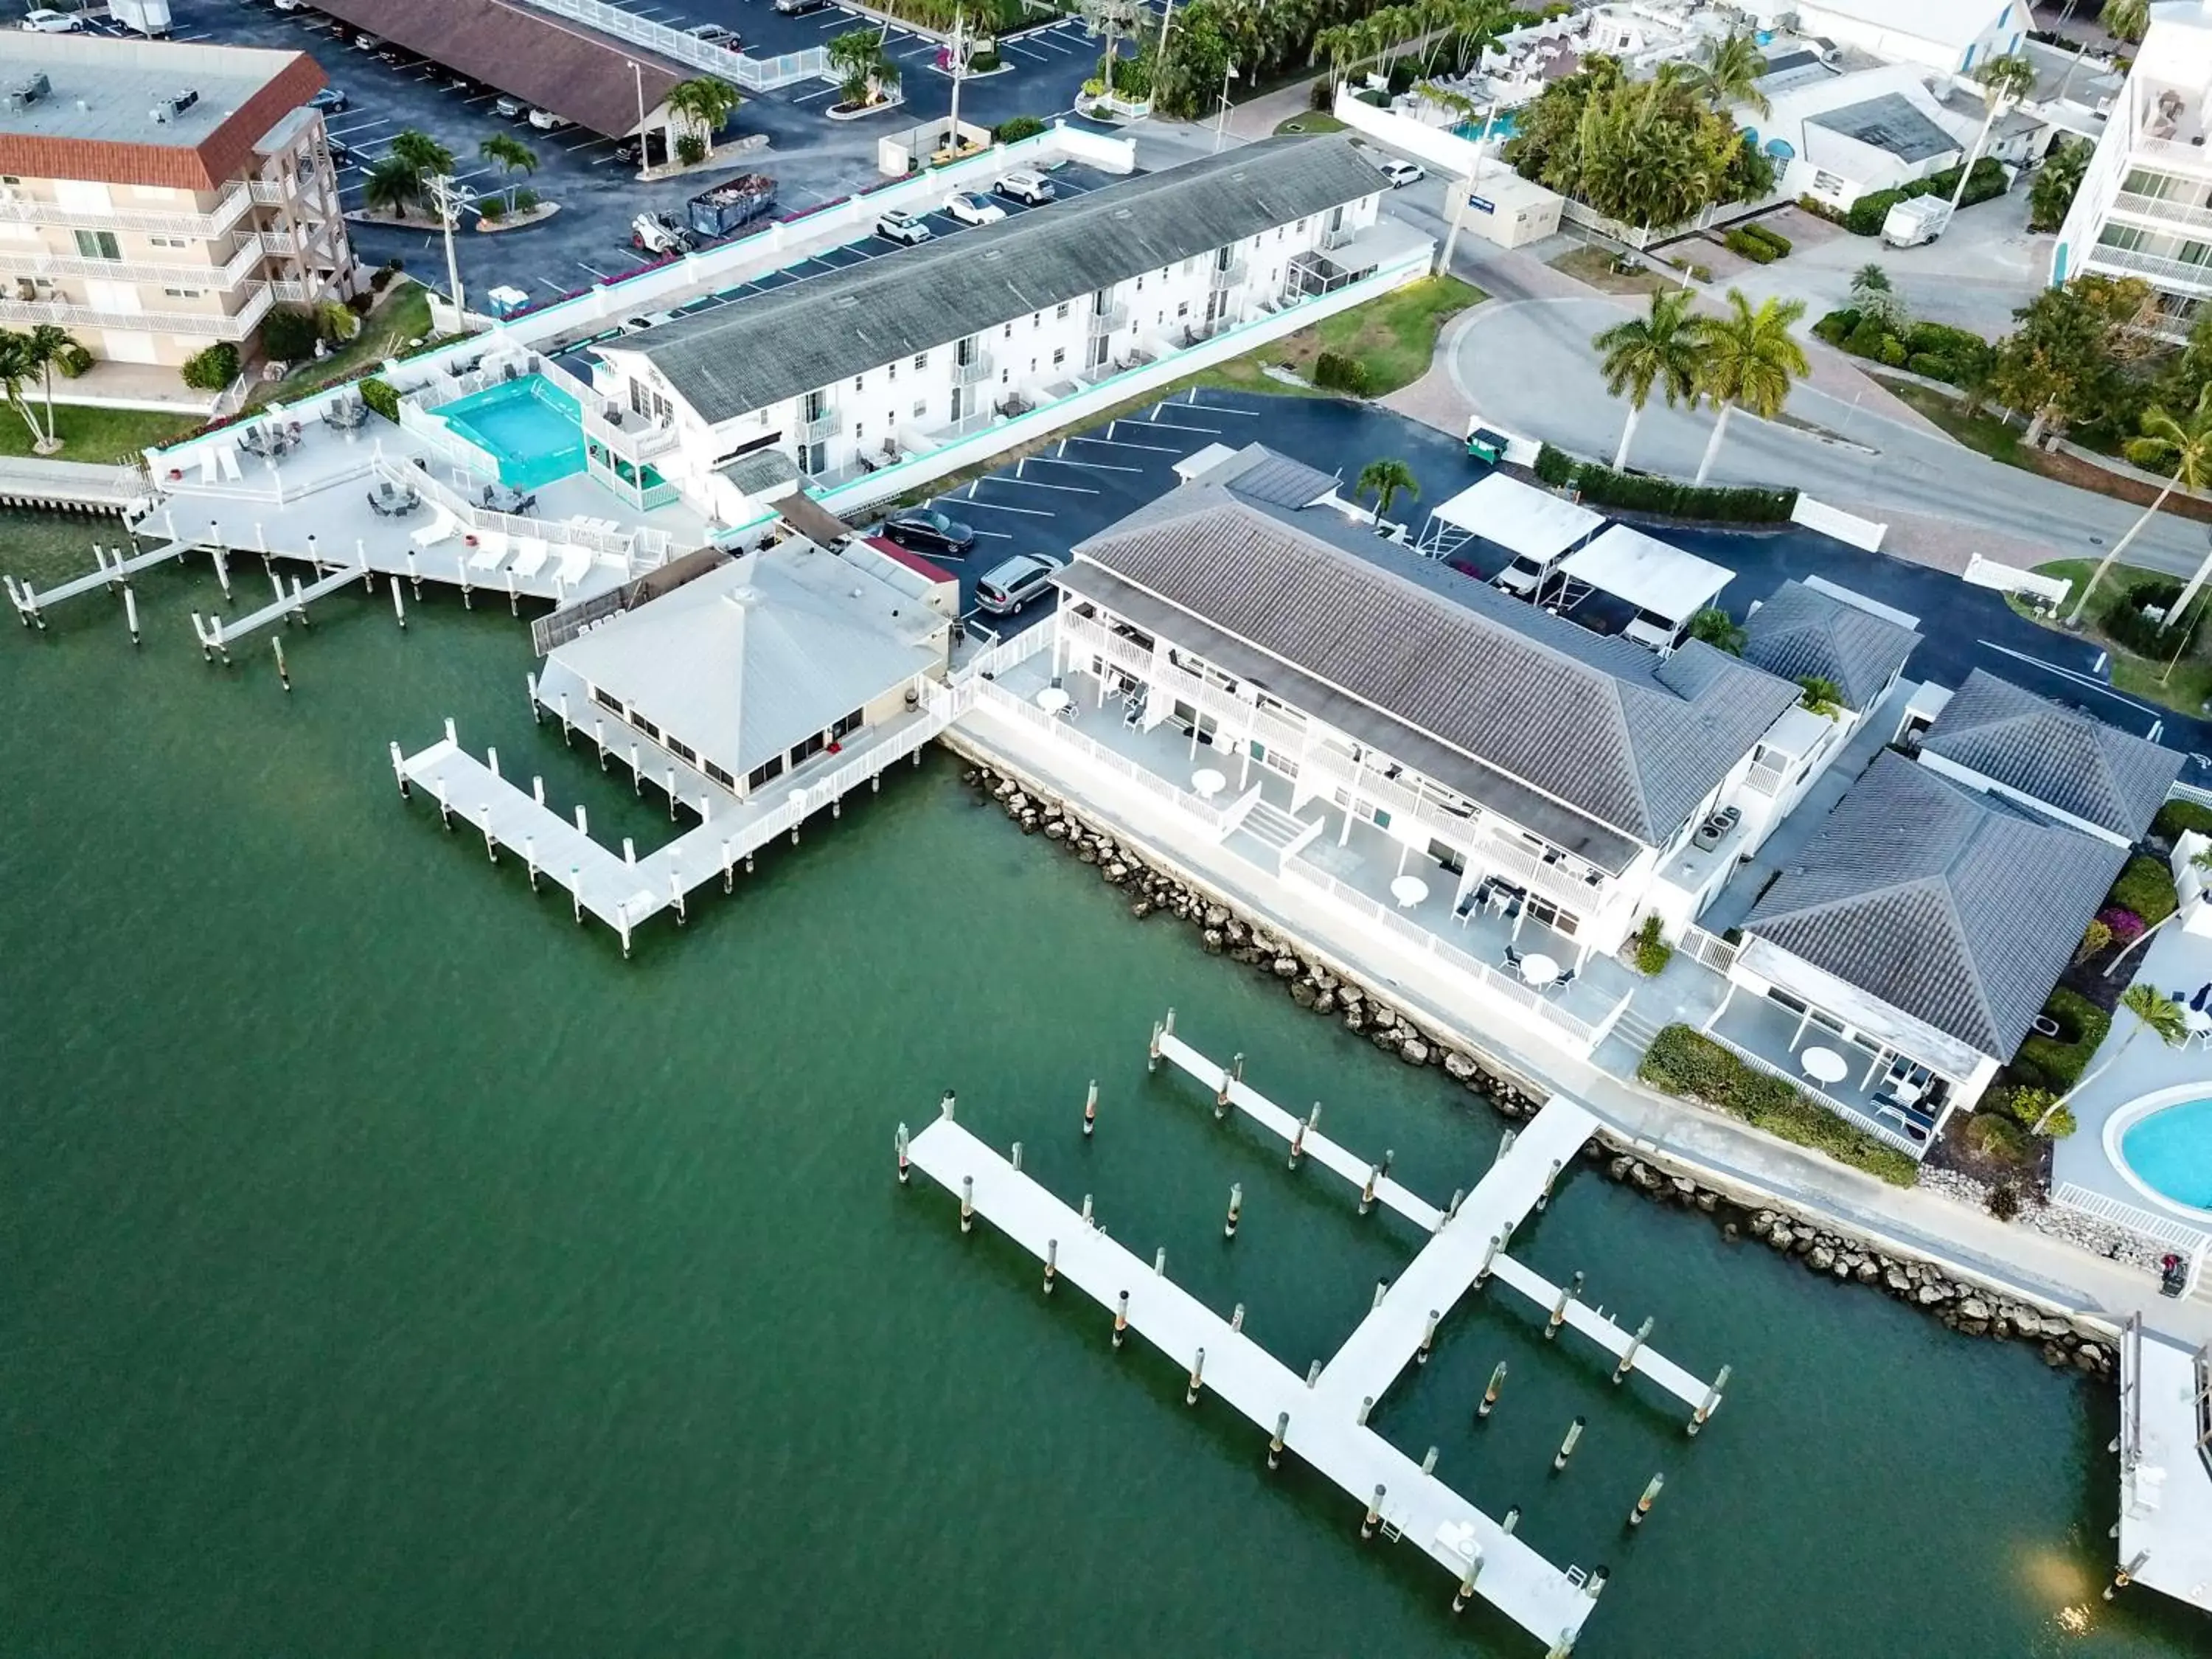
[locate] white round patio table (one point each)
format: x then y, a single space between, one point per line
1823 1065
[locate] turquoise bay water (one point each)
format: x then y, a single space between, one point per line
529 425
386 1266
2171 1150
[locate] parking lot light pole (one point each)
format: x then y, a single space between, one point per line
1221 126
637 75
449 207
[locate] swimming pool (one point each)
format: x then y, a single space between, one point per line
2162 1144
528 425
1502 126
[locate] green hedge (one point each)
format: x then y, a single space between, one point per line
1935 350
382 396
1340 373
2177 815
2146 887
211 367
1687 1063
1756 249
1016 126
1602 486
1865 216
2058 1063
2125 621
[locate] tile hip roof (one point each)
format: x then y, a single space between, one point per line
564 67
1633 741
1802 632
2056 755
1953 907
756 352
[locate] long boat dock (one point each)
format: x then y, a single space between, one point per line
2165 1445
219 632
1322 1417
1519 1182
31 604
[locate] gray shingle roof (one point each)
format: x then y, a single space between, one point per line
1259 474
1890 122
1625 738
1802 631
2059 755
1956 907
759 351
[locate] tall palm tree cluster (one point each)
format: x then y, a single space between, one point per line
1742 358
1649 152
31 354
1264 39
867 74
400 178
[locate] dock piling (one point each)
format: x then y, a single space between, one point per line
1087 1221
967 1203
399 770
1160 1262
1567 1445
1505 1145
530 860
1382 1289
1428 1338
537 788
1635 1343
1644 1504
1235 1203
2126 1574
945 1105
1711 1402
1237 1320
898 1144
399 606
564 719
445 809
1428 1461
1275 1445
1550 1176
1298 1135
636 774
1489 1256
1509 1522
1090 1108
1197 1375
1015 1159
1451 1210
1122 1320
576 888
582 822
629 850
682 911
599 736
1153 1054
1051 1262
1465 1593
622 926
1490 1394
284 674
1366 1404
1595 1585
1367 1192
483 818
1567 1294
671 794
1313 1373
1382 1169
729 867
491 760
130 613
1373 1514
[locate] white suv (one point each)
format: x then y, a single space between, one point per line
1029 188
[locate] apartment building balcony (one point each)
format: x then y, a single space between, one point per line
2158 211
1228 275
200 325
1111 320
816 428
240 267
2157 268
235 202
1891 1097
978 369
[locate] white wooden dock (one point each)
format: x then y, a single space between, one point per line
1326 1416
2165 1467
1544 1148
31 604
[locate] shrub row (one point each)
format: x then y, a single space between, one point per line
2056 1063
1761 243
2146 887
1340 373
1865 216
1017 127
210 369
1687 1063
1603 487
382 396
1935 350
2177 815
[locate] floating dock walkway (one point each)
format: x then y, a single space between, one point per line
1322 1417
2165 1445
31 604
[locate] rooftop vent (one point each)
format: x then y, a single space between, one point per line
28 91
169 108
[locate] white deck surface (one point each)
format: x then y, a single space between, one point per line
2165 1491
1545 1600
1444 1271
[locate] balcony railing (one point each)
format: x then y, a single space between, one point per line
1523 864
1766 778
1109 321
1336 238
232 205
204 324
976 369
1228 275
1851 1115
2157 267
241 265
813 428
2158 208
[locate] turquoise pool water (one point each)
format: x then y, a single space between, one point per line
2170 1152
529 425
1503 127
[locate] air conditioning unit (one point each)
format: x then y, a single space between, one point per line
22 93
175 104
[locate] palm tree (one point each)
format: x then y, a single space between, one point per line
512 156
1107 18
42 348
2154 1012
1747 357
866 73
2183 448
424 156
1385 479
16 367
390 186
1728 73
1718 630
1659 348
2126 19
703 103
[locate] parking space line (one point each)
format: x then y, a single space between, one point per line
1174 426
804 97
1015 477
1162 449
1095 466
1211 409
1000 507
1010 46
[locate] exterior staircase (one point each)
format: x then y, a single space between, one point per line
1279 833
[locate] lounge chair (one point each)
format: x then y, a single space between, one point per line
491 551
575 562
442 525
530 558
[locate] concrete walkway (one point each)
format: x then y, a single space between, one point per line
1966 1243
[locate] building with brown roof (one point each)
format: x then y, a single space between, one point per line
158 198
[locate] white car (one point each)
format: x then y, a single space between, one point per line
973 207
897 226
1401 173
291 5
44 22
546 121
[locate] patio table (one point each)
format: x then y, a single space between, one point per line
1539 969
1823 1065
1208 783
1408 890
1053 700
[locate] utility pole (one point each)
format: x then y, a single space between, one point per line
1221 126
957 65
448 199
1459 202
637 74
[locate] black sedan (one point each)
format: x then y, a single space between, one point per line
928 531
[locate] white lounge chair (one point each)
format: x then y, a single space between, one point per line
531 557
574 561
491 551
441 527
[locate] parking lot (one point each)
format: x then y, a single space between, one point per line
812 158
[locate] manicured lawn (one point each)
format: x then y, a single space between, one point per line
404 316
93 435
2184 686
1595 265
1394 335
1314 121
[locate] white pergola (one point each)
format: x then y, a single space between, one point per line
1666 585
1533 526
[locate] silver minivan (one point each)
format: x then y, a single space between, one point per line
1005 588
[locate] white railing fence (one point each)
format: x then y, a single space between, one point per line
1707 950
2164 1229
1846 527
753 74
1858 1120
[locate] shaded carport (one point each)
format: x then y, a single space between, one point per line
603 85
1532 526
1662 586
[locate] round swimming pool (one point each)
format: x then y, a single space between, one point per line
2163 1144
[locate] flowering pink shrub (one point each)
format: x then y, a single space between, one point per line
2126 925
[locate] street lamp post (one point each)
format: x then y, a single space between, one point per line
1221 126
448 199
637 75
